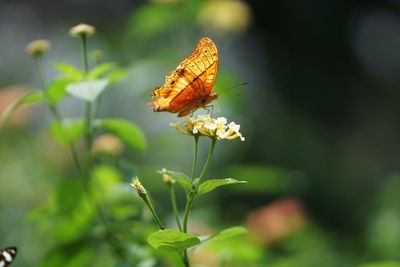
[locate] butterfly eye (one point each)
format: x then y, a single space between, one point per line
172 82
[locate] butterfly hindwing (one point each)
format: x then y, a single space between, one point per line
7 256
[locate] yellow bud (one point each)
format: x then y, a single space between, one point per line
82 30
37 47
168 179
139 187
108 144
97 55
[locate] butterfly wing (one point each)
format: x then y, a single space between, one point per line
7 256
189 86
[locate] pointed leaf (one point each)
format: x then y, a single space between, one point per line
69 71
127 131
172 240
55 91
31 97
99 70
87 90
181 178
116 75
210 185
67 132
227 233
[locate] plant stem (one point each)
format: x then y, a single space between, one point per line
38 62
196 145
76 158
89 140
210 152
153 211
88 120
88 108
52 107
186 258
174 205
84 54
193 193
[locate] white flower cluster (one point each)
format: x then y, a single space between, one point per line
205 125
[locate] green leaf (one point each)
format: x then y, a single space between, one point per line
87 90
104 179
116 75
172 240
99 70
69 71
31 97
68 131
70 213
210 185
127 131
227 233
181 178
55 91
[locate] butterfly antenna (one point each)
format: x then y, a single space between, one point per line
233 87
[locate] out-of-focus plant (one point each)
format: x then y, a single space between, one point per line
88 218
180 240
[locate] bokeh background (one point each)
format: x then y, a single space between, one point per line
319 109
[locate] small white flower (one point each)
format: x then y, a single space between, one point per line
37 47
205 125
82 30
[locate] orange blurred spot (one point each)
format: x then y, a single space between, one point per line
8 96
277 220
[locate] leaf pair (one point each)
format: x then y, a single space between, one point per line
205 187
174 240
83 86
68 132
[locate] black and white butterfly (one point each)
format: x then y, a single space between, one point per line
7 256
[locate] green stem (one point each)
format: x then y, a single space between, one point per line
38 62
189 204
153 211
88 108
186 258
84 54
196 145
76 158
88 120
174 205
89 139
193 193
53 109
210 152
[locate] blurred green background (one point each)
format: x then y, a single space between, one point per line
320 114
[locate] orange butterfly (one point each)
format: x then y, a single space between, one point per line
189 87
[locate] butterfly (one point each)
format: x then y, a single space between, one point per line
7 256
189 87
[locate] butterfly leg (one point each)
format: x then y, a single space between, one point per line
210 109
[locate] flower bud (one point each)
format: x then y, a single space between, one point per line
37 47
82 30
97 55
108 144
139 187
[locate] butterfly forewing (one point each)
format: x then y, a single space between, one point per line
7 256
189 87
